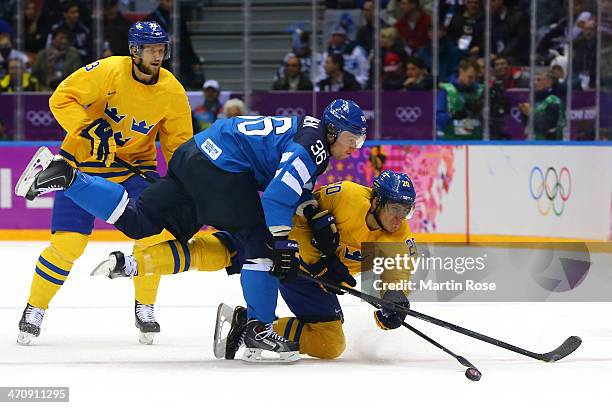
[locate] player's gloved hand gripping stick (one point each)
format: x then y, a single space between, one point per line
566 348
323 226
285 258
335 272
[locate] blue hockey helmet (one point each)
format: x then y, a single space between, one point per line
345 116
392 187
147 32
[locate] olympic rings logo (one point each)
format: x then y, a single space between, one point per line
550 189
408 113
290 111
40 118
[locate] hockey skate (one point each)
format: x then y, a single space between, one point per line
264 345
226 345
45 173
29 325
118 265
145 322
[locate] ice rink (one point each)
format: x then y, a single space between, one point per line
89 343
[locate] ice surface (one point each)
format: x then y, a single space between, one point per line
90 344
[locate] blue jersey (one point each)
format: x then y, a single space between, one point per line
285 154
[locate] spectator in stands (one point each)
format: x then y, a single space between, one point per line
554 41
300 49
507 75
56 62
233 107
394 10
417 77
337 78
510 33
190 72
467 28
294 79
393 75
558 67
116 29
36 30
413 25
459 105
390 43
206 114
585 56
5 27
52 11
79 34
549 113
365 33
482 67
448 9
448 54
504 76
11 83
354 56
7 52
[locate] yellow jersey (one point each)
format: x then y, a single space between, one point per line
349 203
136 112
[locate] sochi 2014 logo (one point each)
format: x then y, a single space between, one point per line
550 189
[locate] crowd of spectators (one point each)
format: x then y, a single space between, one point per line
58 39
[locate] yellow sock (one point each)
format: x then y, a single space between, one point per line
54 265
146 286
322 340
204 253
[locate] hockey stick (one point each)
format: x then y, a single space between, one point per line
135 170
471 373
566 348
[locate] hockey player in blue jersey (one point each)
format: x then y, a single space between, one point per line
215 180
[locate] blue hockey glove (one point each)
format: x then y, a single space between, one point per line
325 233
100 136
285 258
335 272
388 319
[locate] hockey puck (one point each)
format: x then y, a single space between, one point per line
473 374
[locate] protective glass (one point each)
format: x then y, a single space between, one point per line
351 139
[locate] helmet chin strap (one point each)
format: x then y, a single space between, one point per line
377 218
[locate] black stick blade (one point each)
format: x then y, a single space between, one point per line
564 350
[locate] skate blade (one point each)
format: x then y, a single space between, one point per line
25 339
40 161
225 314
105 268
146 338
256 355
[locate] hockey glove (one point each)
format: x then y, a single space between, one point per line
335 272
325 233
285 258
388 319
100 136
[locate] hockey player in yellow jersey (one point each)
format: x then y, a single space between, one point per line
355 213
113 107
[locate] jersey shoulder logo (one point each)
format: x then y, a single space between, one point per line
211 149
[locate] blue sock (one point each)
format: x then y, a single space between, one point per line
98 196
260 290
